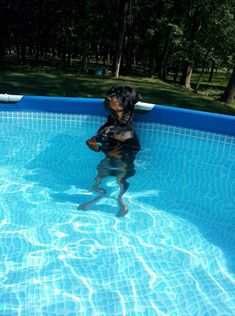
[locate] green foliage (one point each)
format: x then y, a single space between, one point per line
161 35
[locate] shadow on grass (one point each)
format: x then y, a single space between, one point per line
162 93
56 83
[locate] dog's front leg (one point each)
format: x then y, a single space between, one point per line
92 144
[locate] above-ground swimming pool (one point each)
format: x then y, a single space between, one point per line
172 254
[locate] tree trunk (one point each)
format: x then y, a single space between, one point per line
203 69
23 52
85 57
186 76
163 64
175 75
212 70
69 42
152 55
229 93
122 14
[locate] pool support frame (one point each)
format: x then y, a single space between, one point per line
207 121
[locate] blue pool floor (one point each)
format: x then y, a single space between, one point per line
174 252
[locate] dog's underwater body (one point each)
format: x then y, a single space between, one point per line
118 141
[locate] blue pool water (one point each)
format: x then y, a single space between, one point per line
174 252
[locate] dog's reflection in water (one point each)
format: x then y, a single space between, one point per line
118 141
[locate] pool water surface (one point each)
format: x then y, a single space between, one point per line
172 254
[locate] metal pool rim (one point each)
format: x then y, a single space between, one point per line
146 112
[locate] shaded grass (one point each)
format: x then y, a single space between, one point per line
219 81
49 82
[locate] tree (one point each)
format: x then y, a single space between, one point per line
151 37
193 25
229 93
217 38
121 29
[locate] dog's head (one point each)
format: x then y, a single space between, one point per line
121 98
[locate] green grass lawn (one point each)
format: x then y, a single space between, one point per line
49 82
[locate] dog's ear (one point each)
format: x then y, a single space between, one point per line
132 99
125 94
137 98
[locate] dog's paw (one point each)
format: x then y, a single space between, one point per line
123 211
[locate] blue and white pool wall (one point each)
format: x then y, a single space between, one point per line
212 122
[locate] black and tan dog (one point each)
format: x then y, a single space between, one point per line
118 141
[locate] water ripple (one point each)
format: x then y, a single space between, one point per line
172 254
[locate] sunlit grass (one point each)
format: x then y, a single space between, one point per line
220 79
53 82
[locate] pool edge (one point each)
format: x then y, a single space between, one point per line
207 121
